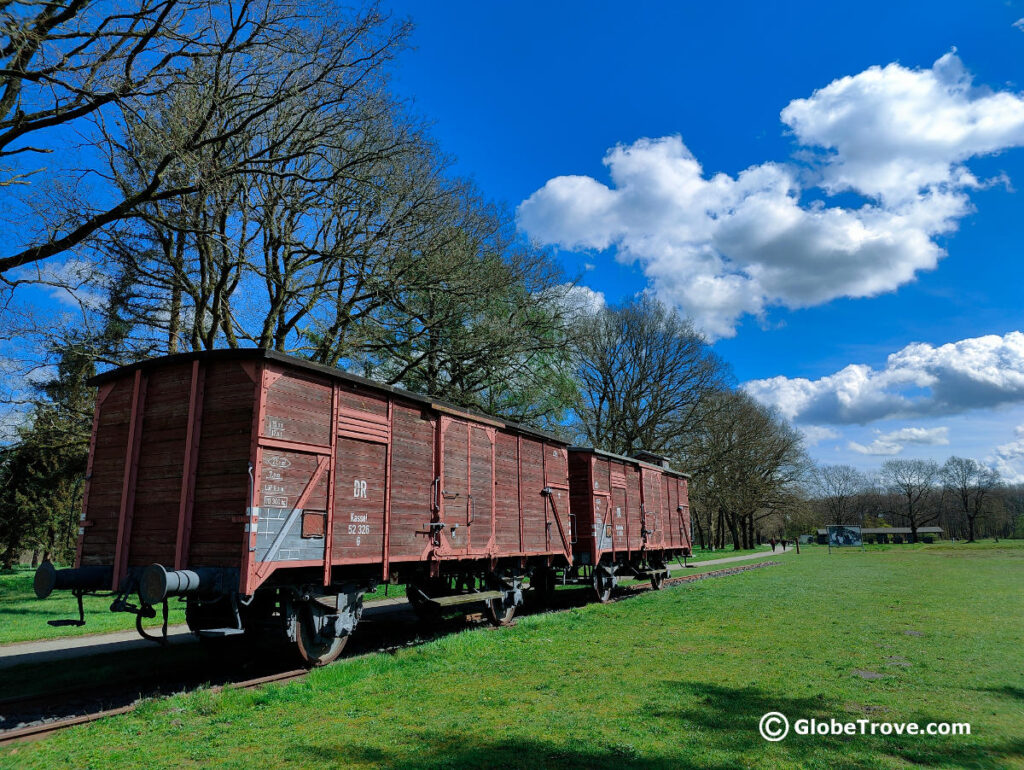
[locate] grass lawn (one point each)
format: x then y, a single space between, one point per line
676 679
23 617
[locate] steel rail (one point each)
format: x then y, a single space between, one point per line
42 730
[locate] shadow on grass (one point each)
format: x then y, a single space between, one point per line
728 719
1007 689
707 726
451 750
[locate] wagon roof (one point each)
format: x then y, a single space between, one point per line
632 460
248 354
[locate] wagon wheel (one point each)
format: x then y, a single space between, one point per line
316 648
498 613
658 580
604 583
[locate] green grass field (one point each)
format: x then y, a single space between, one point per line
676 679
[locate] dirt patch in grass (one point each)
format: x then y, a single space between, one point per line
865 674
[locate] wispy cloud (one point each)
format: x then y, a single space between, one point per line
893 443
815 434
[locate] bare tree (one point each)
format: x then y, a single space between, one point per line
74 61
301 248
969 482
837 487
479 316
63 61
913 483
748 469
644 374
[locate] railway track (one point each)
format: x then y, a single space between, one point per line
44 729
705 575
39 731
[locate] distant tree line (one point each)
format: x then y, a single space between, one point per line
965 498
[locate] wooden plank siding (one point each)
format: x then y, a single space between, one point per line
222 467
606 499
160 465
250 459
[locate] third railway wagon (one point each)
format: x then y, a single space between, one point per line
271 493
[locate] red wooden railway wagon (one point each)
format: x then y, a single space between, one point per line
270 492
632 516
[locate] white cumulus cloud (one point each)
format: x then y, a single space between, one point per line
891 131
919 380
721 247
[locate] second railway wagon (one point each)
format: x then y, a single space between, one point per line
631 516
270 492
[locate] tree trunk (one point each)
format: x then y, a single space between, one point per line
734 531
700 529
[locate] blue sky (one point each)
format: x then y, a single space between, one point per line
830 191
818 186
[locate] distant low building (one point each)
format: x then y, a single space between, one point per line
890 534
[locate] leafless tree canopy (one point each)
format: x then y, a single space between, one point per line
748 469
648 381
237 66
913 483
838 487
970 484
644 375
263 188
